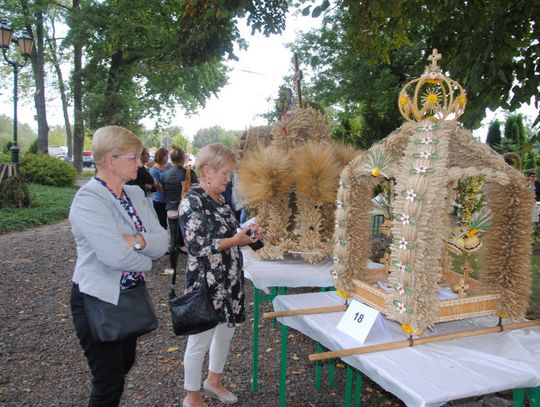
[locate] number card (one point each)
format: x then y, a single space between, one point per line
359 320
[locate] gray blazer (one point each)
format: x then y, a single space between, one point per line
98 222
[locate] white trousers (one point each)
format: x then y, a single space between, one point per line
218 340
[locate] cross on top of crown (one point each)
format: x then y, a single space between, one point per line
434 57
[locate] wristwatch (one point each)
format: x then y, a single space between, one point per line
137 246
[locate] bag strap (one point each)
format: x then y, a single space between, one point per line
173 280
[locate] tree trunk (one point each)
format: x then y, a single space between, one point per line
113 107
38 67
62 89
78 124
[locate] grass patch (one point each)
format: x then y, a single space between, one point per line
49 205
534 299
87 173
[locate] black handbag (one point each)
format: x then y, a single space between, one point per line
193 312
131 318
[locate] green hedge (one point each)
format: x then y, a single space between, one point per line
46 170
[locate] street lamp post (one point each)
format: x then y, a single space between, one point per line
25 44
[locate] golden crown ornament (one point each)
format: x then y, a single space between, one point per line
432 96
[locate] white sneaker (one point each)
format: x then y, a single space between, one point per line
168 271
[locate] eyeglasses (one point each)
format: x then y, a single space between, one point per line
133 158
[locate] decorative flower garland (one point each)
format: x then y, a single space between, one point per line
419 223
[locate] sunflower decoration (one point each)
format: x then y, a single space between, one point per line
466 239
378 162
431 99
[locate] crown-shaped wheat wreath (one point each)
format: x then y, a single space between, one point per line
433 95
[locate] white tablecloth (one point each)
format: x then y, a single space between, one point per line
291 272
431 374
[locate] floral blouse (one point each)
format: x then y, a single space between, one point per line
204 223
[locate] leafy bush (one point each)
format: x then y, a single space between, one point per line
5 157
46 170
7 147
33 147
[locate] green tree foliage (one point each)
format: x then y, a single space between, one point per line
230 137
363 93
494 133
531 160
57 136
514 130
366 51
207 136
25 134
147 58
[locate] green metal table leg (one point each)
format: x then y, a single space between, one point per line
331 372
519 395
255 351
533 394
283 366
318 368
358 389
348 386
275 291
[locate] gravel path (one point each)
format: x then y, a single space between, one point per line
43 365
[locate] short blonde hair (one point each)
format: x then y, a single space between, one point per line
114 140
214 155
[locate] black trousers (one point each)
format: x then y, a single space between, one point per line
176 242
109 363
161 212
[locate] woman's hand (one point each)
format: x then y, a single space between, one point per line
131 240
248 235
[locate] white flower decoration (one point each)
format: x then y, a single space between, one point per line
400 289
427 126
338 242
425 155
401 308
421 169
427 140
403 244
405 219
411 195
400 266
339 204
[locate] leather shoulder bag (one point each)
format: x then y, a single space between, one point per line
131 318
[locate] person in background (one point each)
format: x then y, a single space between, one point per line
172 186
213 242
144 179
534 184
161 159
117 236
237 202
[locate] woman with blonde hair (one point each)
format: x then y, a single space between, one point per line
117 235
213 241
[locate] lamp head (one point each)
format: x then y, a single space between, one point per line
5 34
25 43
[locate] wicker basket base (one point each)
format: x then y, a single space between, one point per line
449 310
